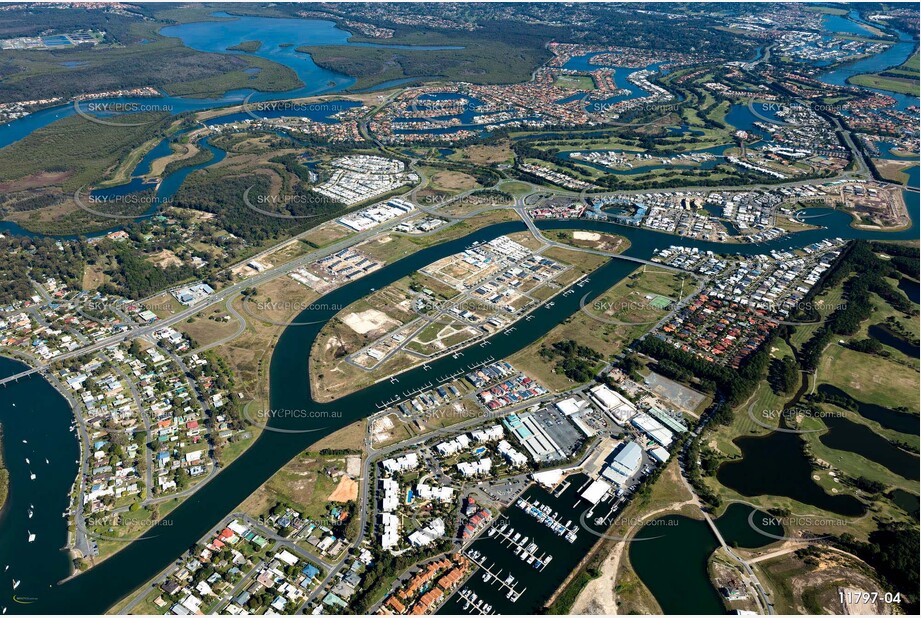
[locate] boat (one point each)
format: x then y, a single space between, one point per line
30 513
486 576
491 532
32 476
25 441
16 583
548 559
517 536
517 551
31 537
28 462
46 461
530 559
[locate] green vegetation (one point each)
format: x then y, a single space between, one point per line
565 600
132 55
893 551
574 82
269 77
578 362
902 79
78 149
246 46
485 57
883 81
846 320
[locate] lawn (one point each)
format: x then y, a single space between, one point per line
869 378
574 82
893 84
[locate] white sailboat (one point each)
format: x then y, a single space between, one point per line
31 537
16 583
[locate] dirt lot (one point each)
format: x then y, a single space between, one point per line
809 583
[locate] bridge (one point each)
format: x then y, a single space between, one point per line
21 374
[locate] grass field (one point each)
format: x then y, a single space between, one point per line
869 378
305 483
574 82
903 85
625 302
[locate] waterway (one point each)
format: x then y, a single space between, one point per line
887 336
903 422
217 37
846 435
103 585
892 57
499 557
683 586
35 421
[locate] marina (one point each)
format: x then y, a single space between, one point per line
519 548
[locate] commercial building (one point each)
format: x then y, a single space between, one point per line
653 428
625 464
613 403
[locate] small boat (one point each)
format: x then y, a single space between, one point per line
28 462
46 461
31 537
30 513
25 441
16 583
32 476
486 577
